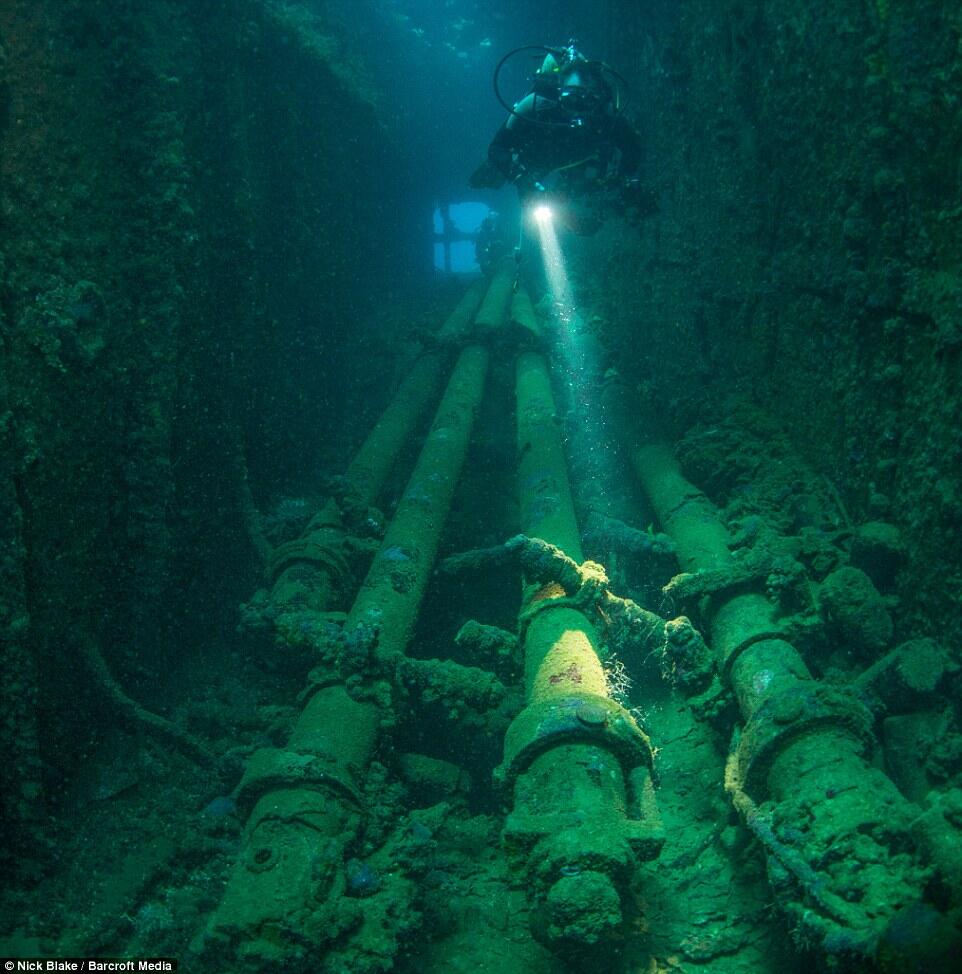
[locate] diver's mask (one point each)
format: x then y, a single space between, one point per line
581 94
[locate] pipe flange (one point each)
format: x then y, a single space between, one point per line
328 518
320 678
552 604
740 622
597 847
326 554
583 719
734 650
783 718
270 769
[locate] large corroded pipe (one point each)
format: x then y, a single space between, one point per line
575 760
497 300
306 803
377 455
312 572
836 832
391 594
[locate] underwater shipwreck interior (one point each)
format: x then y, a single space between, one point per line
557 569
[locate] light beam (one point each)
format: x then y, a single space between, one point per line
581 357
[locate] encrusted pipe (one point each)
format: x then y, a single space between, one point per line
306 802
576 762
312 572
524 325
497 300
835 830
390 595
376 457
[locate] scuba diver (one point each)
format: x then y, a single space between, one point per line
490 244
568 136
